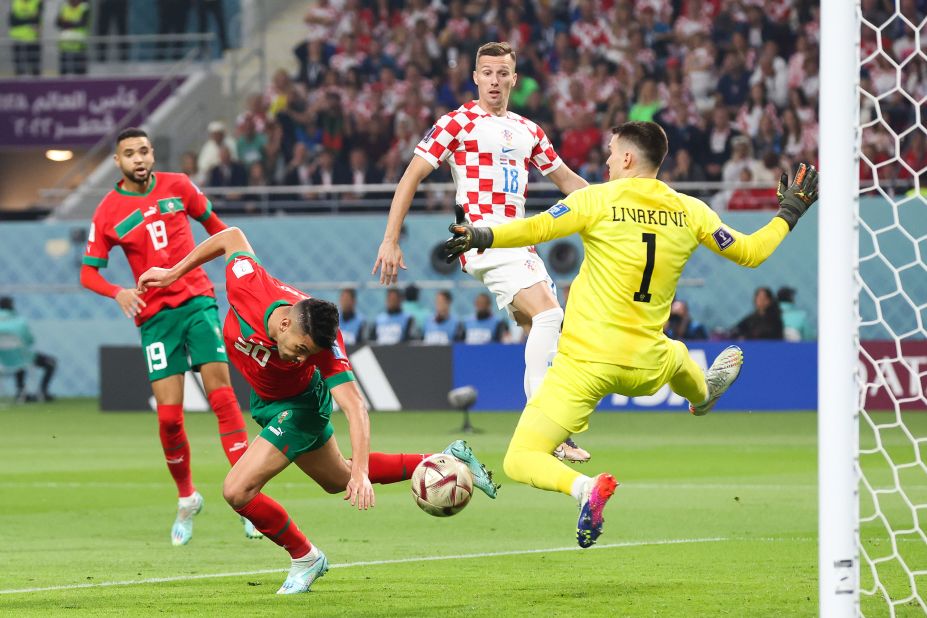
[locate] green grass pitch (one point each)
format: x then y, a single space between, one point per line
715 516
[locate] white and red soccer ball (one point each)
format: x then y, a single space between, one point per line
442 485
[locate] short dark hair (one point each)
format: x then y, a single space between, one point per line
495 48
350 292
319 319
785 294
446 294
130 132
6 302
648 137
412 293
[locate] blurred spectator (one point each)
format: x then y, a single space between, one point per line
351 322
214 7
112 14
392 325
256 112
794 320
484 326
250 144
299 168
73 28
647 104
227 172
720 141
257 177
25 26
741 159
772 73
681 325
765 322
326 174
14 327
593 170
188 167
411 304
172 20
684 169
209 153
735 80
579 140
441 328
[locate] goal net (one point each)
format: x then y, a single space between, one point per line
872 352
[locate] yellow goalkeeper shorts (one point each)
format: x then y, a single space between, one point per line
573 388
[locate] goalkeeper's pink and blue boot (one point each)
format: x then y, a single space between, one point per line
482 478
187 508
304 571
596 494
719 377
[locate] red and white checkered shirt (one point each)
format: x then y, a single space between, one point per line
489 158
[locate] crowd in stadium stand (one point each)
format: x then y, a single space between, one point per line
733 82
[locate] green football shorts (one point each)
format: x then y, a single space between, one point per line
176 339
299 424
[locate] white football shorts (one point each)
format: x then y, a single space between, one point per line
507 271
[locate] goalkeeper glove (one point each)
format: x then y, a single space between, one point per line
466 237
799 196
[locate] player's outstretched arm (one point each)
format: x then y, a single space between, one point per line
359 490
227 242
129 300
558 221
389 256
752 249
567 180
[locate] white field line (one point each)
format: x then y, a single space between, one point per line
348 565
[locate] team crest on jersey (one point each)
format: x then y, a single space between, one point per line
507 136
429 134
723 238
558 210
283 416
530 265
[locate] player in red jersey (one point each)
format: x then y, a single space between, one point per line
289 348
488 149
146 214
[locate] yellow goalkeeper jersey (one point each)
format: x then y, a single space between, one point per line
638 235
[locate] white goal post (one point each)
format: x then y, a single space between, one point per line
872 348
838 390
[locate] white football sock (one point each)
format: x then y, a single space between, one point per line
541 347
578 485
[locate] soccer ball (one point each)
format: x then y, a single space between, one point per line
442 485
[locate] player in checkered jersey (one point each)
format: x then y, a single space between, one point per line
488 149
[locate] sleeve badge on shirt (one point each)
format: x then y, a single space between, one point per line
559 209
429 134
242 268
336 351
723 238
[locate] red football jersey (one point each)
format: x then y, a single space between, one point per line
253 295
153 230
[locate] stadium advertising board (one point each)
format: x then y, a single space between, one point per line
891 379
776 376
68 112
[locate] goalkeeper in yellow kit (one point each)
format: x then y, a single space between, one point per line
638 234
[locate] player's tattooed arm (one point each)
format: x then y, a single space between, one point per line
226 242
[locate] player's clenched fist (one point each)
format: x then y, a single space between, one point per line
466 237
799 196
155 278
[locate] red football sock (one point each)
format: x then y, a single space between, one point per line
232 430
176 448
273 521
391 468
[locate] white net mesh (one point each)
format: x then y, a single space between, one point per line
893 308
